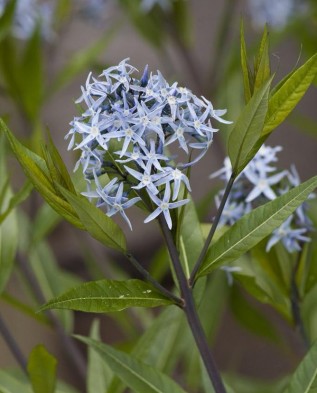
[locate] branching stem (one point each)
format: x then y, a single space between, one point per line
12 344
147 276
191 312
212 230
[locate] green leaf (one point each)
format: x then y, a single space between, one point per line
6 18
97 223
8 226
52 279
289 94
45 221
149 26
262 62
158 344
16 199
254 227
244 384
180 17
245 67
190 238
10 383
140 377
31 86
247 129
36 169
42 370
304 380
258 282
99 374
82 60
8 245
56 165
250 317
107 296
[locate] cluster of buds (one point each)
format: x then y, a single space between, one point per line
125 133
259 183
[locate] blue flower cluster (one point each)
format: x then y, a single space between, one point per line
259 183
28 15
125 133
276 13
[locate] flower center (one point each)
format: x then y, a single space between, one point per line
94 131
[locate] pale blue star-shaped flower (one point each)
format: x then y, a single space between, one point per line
164 206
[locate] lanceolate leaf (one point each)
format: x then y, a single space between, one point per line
8 222
247 129
262 62
97 223
35 168
99 374
42 370
107 296
290 93
304 380
254 227
16 199
6 18
245 66
140 377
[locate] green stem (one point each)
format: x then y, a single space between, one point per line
191 312
147 276
12 344
212 230
295 305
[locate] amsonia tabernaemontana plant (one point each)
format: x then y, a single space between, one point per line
138 138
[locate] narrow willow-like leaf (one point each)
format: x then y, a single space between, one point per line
16 381
9 226
31 64
81 60
254 227
42 370
140 377
52 279
16 199
57 169
96 222
107 296
245 66
290 93
10 383
99 374
262 62
251 318
304 380
8 244
36 170
247 129
150 28
6 18
158 346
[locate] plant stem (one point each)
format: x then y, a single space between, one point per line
212 230
13 346
146 275
191 312
295 304
68 344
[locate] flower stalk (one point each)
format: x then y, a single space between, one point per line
191 312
